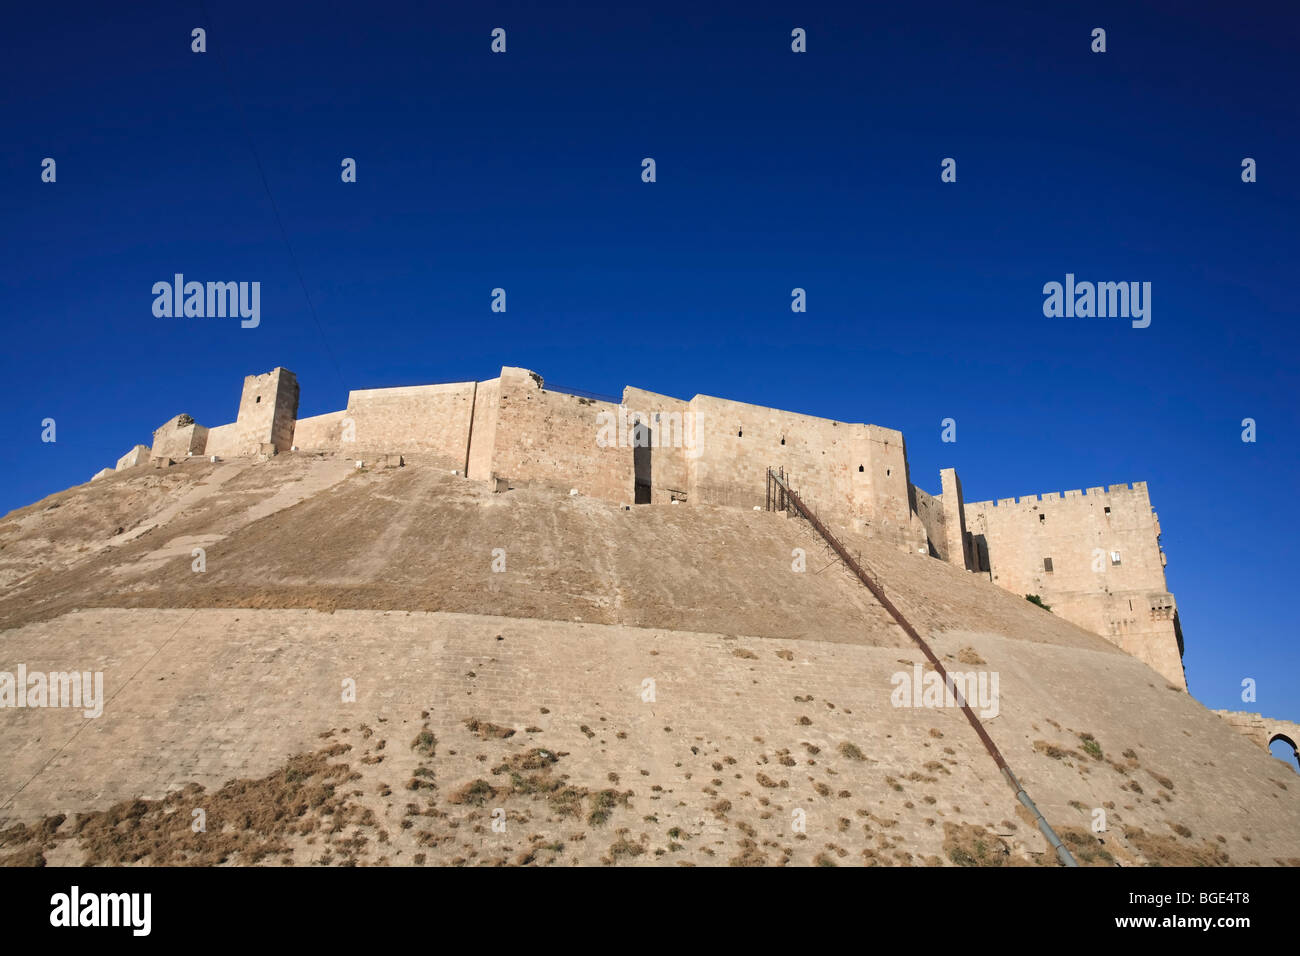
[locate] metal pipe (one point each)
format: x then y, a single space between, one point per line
1062 852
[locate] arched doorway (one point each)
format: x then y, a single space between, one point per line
1284 748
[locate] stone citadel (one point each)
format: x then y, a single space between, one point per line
1093 556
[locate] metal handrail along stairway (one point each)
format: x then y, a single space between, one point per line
780 497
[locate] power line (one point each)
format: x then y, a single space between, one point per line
275 207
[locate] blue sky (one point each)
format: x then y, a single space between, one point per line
775 170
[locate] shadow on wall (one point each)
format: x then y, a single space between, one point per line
641 465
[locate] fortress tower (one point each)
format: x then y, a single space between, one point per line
268 408
1095 558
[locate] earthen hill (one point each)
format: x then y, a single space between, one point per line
342 664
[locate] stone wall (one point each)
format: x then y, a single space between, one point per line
664 465
320 432
229 441
422 419
739 442
930 510
853 474
957 549
551 438
885 502
139 455
707 450
483 429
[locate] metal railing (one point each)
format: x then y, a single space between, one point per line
582 393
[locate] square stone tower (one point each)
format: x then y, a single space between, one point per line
268 409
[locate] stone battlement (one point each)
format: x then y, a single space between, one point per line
1138 487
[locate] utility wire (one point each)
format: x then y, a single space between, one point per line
275 207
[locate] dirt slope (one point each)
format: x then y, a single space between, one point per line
308 532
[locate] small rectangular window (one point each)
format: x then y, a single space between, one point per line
1047 565
1108 509
1114 557
1042 518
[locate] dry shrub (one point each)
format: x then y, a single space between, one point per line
247 820
749 855
482 728
1085 846
475 793
968 844
1168 851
